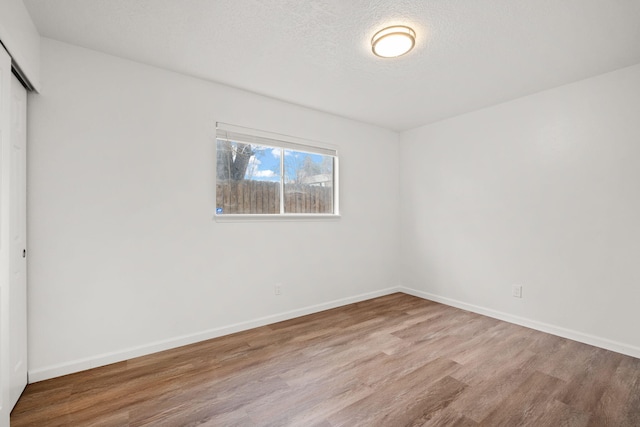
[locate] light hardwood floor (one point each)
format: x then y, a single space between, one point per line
391 361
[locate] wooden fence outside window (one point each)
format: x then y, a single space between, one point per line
263 197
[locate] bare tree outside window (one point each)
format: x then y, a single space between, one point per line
232 159
308 182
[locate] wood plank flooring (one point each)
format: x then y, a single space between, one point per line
391 361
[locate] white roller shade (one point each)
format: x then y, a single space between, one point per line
252 136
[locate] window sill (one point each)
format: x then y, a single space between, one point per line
275 217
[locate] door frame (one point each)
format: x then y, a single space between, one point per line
5 243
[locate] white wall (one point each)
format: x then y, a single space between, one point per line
543 191
21 38
125 257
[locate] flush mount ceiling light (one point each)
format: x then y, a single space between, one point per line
393 41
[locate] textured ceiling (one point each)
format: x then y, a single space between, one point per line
469 53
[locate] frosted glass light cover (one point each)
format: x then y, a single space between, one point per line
394 41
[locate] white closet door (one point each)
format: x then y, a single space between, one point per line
5 354
18 227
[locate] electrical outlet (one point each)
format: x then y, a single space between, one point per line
278 289
516 291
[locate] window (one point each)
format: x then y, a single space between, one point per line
260 173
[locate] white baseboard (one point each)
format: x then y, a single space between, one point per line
605 343
154 347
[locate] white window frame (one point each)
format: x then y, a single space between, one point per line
285 142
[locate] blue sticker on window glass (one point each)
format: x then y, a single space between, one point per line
218 211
